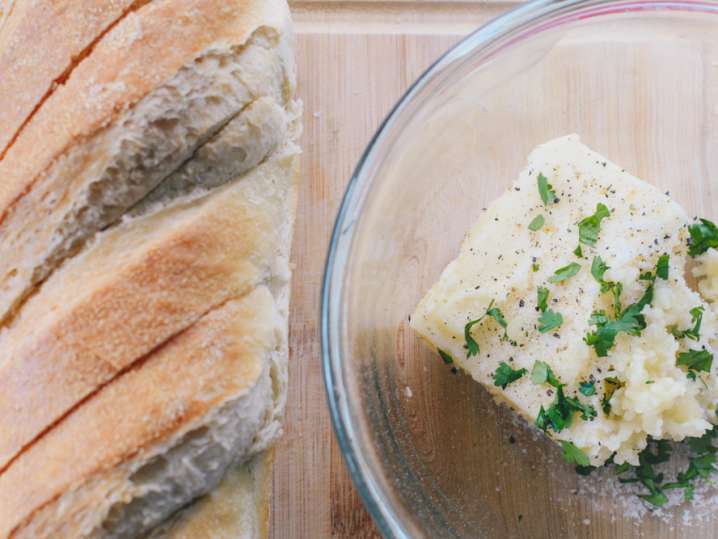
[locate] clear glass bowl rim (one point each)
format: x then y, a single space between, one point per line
503 31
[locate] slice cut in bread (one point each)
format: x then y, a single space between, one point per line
156 437
135 287
257 132
68 28
116 129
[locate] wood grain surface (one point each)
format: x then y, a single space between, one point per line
355 59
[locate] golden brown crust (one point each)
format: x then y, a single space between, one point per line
217 359
69 28
132 290
165 35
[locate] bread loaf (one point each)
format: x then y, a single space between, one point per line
159 435
139 284
69 29
146 212
116 129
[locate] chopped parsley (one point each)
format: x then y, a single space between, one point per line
621 468
610 385
548 196
696 360
587 389
604 337
549 320
573 455
504 375
588 412
693 333
645 474
578 252
472 346
629 321
662 267
616 289
598 269
584 470
536 223
542 373
704 444
647 276
496 314
589 227
446 357
565 272
701 465
560 414
542 298
704 235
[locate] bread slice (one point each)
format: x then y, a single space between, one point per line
237 509
138 285
158 436
30 73
116 129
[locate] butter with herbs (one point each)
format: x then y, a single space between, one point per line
568 301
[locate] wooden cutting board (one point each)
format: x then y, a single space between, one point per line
355 59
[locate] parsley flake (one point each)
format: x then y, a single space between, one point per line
574 455
704 235
565 272
701 464
504 375
696 360
587 389
645 474
630 321
496 314
542 298
542 373
693 333
662 267
604 338
536 223
549 320
560 414
589 227
472 346
446 357
598 269
548 196
610 385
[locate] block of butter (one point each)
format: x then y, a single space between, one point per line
568 301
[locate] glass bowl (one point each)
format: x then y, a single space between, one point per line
429 451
